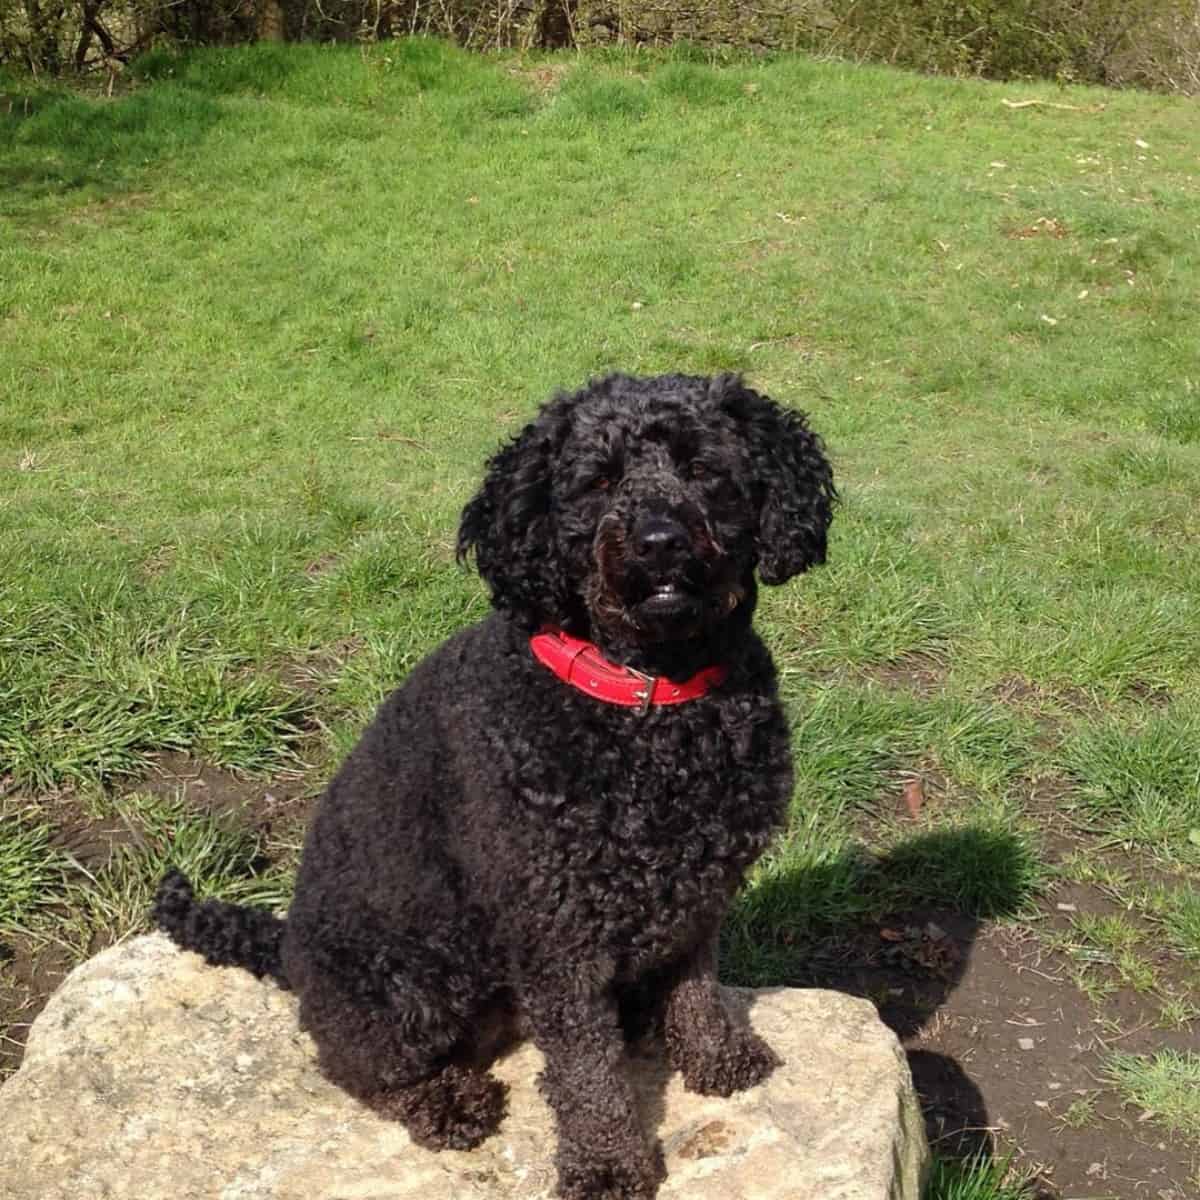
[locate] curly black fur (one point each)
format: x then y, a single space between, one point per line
499 841
228 935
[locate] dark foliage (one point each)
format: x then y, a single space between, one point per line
1147 43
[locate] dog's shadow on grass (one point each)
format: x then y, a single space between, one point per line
897 929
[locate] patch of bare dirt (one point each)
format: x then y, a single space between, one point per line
1038 698
321 565
921 674
1016 689
97 211
28 975
309 672
763 248
795 342
1050 227
545 79
276 809
90 840
259 804
1151 694
158 561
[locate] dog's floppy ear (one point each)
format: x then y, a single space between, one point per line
794 484
509 526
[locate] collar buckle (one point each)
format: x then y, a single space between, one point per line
645 694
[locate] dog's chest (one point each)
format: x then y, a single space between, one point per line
644 837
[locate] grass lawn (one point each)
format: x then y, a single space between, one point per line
262 318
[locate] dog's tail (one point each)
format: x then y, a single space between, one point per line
228 935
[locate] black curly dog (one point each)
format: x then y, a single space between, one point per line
502 842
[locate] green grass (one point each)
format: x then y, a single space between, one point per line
1177 909
84 907
973 1179
1080 1113
91 692
1141 782
248 439
279 376
29 866
1148 945
1165 1085
1117 943
220 859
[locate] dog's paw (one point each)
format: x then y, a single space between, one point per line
590 1178
455 1110
739 1061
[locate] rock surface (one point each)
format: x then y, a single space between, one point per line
152 1075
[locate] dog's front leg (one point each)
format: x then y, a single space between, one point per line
716 1054
601 1149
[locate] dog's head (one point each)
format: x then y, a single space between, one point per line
638 510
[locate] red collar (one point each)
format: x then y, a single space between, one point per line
581 664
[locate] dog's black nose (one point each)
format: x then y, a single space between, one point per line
658 538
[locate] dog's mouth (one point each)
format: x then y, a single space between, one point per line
680 608
667 600
668 611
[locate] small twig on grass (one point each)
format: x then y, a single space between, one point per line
771 342
1119 1036
139 838
966 1129
83 871
393 437
1087 108
1019 967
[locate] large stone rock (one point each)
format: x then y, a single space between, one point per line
152 1075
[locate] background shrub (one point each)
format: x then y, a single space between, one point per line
1150 43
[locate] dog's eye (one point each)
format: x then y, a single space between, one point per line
697 470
